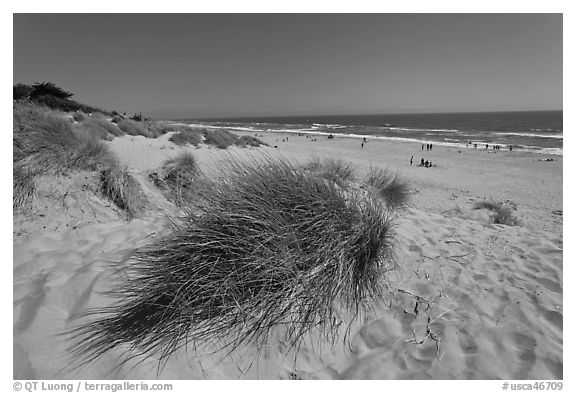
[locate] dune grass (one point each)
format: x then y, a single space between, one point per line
130 127
120 187
336 170
266 245
248 140
388 186
187 137
502 215
99 128
222 139
178 178
44 143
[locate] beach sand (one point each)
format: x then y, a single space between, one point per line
469 299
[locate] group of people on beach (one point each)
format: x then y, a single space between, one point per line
428 147
425 164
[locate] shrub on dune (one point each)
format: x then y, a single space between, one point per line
266 245
390 187
220 138
117 119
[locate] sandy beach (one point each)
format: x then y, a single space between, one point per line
470 299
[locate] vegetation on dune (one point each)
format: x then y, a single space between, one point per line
51 96
117 119
247 140
185 137
502 215
120 187
148 129
388 186
21 91
220 138
79 116
100 128
267 244
178 178
133 128
337 170
44 143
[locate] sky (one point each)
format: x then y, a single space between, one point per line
231 65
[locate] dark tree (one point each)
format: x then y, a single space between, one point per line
49 89
20 91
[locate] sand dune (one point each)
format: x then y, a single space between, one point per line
469 299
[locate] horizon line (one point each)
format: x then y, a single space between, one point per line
353 114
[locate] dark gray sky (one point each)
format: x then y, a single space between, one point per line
209 65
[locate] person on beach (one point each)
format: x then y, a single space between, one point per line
422 146
421 162
430 146
411 158
426 163
362 145
510 147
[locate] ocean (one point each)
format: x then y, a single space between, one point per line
535 131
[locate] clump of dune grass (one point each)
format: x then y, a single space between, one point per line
336 170
121 188
186 137
178 178
267 245
99 128
130 127
502 215
388 186
24 187
222 139
44 143
248 140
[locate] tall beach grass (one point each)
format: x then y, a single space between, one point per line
178 178
266 244
44 143
389 186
